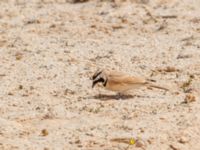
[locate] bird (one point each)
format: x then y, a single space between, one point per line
121 82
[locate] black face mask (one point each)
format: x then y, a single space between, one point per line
99 80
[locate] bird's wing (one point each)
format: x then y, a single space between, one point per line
127 80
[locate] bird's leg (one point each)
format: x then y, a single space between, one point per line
99 94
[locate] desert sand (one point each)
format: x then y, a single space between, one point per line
49 49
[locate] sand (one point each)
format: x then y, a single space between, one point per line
49 50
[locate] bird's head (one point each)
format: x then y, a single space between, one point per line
99 77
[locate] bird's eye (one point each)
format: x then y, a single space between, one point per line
96 75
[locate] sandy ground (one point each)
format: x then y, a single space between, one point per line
49 49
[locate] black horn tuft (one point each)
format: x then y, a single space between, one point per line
98 72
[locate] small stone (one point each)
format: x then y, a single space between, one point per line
180 56
183 140
44 132
174 147
52 26
20 87
77 141
150 141
192 76
76 1
37 108
18 56
10 93
80 145
189 98
141 130
31 88
170 69
68 91
25 95
176 93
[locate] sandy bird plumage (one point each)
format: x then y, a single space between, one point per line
120 82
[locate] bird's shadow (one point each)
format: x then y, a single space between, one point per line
105 97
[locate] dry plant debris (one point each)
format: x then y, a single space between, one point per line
189 98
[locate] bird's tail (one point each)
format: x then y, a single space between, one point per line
158 87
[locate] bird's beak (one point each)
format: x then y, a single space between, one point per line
94 83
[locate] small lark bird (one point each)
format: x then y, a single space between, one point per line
120 82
